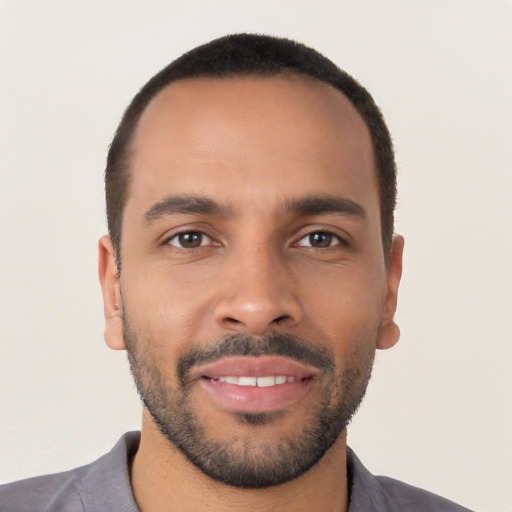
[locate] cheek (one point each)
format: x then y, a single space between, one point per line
166 308
344 300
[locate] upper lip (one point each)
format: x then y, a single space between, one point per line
261 366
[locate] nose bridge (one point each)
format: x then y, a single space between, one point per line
258 291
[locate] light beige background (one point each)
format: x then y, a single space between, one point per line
438 412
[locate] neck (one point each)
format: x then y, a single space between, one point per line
163 480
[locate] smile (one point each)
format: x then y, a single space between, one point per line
254 384
260 382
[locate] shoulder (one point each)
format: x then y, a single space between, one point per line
369 492
102 485
36 494
407 497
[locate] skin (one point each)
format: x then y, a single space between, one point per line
252 145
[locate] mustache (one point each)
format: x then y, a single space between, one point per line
270 344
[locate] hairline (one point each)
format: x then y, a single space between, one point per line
257 55
285 73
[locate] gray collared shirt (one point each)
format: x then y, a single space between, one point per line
104 486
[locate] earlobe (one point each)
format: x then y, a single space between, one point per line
112 305
389 332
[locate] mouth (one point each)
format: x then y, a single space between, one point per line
261 382
255 384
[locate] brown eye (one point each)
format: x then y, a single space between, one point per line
190 240
319 240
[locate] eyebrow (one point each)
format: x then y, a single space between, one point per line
175 205
306 205
325 204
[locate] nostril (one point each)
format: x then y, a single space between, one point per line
232 320
280 319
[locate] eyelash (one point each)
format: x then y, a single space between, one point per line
335 237
191 232
207 239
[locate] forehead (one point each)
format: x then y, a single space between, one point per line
239 137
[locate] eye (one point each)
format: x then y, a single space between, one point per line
190 240
319 240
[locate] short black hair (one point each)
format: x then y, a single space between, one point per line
245 55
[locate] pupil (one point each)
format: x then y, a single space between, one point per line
320 239
190 239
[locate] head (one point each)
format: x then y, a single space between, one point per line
250 55
258 275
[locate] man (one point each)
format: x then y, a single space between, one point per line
250 272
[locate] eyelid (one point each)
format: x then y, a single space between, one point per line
206 240
342 238
205 231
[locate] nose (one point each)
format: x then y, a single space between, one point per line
257 295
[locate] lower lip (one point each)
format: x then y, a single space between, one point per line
253 399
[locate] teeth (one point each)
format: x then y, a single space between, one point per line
261 382
264 382
247 381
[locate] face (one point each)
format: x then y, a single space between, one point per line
254 289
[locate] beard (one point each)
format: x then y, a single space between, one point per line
239 461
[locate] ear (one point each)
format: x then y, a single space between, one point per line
389 332
112 305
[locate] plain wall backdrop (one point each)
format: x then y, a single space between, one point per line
438 409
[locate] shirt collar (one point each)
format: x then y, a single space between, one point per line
105 484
